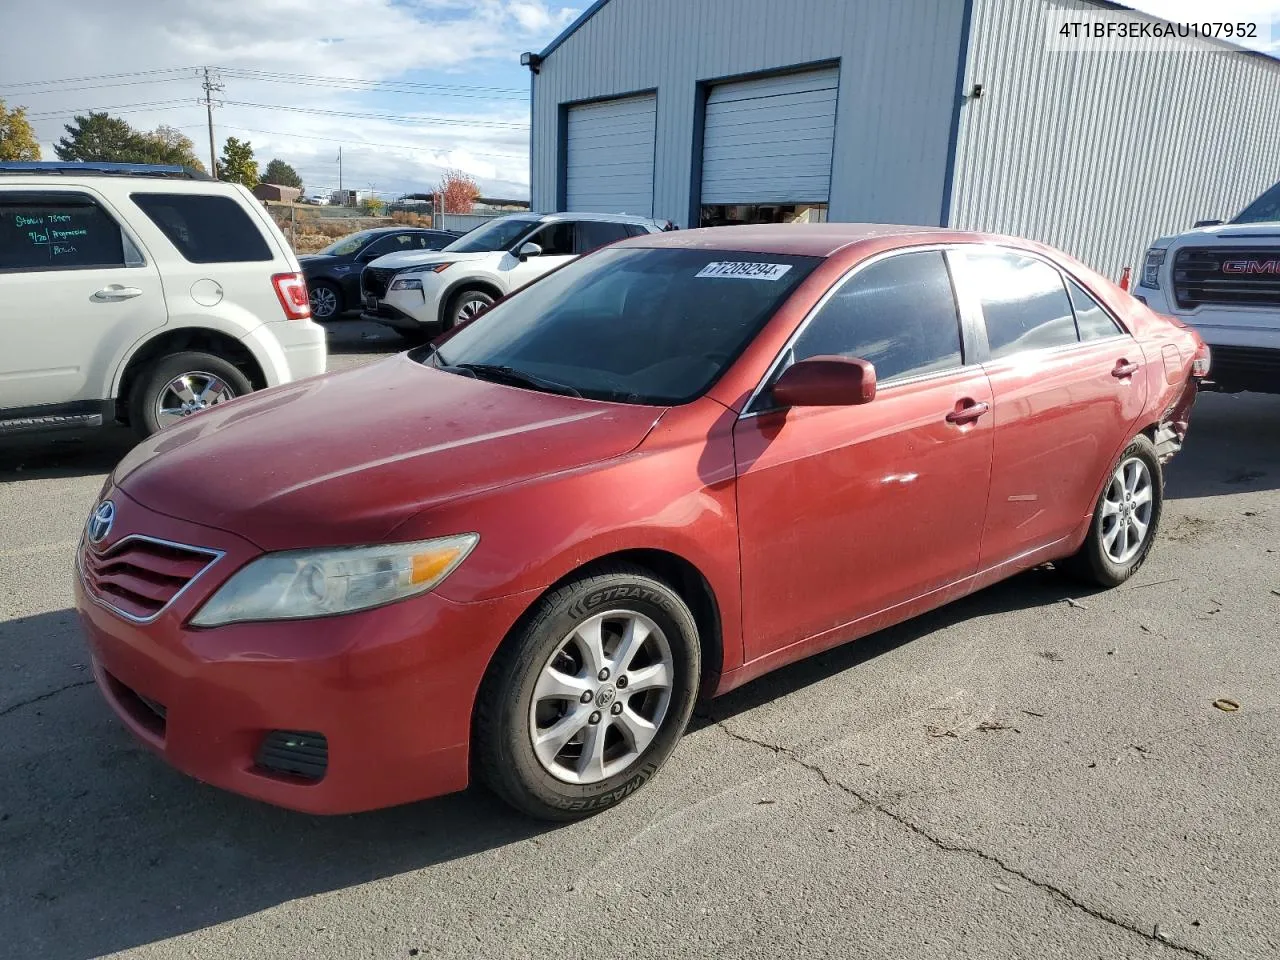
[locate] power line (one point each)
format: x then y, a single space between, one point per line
122 108
98 76
361 143
389 117
415 84
93 86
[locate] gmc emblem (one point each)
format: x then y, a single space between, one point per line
1251 266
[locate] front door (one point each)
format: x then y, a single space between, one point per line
75 291
845 512
559 245
1068 390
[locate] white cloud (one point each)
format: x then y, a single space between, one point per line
372 40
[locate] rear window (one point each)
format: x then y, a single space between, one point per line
205 228
57 232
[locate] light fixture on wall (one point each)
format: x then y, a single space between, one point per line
977 91
531 60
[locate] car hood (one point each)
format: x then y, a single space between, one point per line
1267 232
401 261
346 458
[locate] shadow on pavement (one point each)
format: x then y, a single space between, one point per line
1233 447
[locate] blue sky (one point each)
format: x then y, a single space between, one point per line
290 66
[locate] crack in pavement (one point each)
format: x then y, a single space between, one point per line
950 847
44 696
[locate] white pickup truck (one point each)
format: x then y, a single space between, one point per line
1224 280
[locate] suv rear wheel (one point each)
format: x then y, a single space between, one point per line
179 385
326 300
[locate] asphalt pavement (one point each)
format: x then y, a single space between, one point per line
1034 771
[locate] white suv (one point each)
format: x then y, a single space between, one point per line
420 294
1224 280
141 293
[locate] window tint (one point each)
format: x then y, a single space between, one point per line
205 228
431 241
1023 300
635 230
391 243
57 232
1092 320
593 234
555 239
899 313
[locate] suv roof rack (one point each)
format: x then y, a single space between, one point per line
96 169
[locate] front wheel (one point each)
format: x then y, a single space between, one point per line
465 306
584 704
179 385
1125 519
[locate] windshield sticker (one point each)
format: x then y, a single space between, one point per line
744 271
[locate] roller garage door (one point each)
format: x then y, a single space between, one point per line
769 140
609 156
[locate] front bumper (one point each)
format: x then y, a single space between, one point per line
391 690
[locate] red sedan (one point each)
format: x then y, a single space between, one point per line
663 470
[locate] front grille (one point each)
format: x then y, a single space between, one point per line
296 753
138 577
375 281
1245 368
1229 276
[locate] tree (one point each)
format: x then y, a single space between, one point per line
282 173
99 137
457 191
17 139
236 165
372 207
165 144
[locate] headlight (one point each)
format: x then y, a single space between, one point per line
297 584
407 284
431 267
1151 268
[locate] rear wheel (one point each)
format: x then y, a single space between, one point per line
179 385
584 704
466 305
326 300
1125 519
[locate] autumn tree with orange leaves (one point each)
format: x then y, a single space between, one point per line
457 192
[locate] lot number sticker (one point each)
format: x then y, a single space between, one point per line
744 271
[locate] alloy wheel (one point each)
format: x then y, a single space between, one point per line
601 697
188 393
1126 510
324 303
471 309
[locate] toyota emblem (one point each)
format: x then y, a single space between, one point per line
100 521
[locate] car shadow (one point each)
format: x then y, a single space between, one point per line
63 453
104 847
349 334
1233 447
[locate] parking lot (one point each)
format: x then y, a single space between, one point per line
1035 771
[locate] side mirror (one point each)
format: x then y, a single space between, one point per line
1206 223
528 250
826 382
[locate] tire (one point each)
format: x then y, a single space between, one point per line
1098 560
466 305
219 378
513 705
326 300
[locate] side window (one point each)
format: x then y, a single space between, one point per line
555 239
430 241
594 234
1092 320
391 243
899 313
635 230
1023 301
204 227
59 231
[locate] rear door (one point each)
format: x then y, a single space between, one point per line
594 234
1064 376
75 288
845 512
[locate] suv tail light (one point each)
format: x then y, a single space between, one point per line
291 288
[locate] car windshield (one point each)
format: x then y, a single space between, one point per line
1266 209
632 324
495 235
348 244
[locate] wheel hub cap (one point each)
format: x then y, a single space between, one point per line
601 697
1127 510
190 393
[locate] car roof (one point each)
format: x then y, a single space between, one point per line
799 239
403 228
603 217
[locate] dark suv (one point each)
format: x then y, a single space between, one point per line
333 274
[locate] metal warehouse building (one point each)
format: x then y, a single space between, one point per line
952 112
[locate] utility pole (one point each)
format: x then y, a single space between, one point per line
212 84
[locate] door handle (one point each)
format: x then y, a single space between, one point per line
967 411
1124 368
116 292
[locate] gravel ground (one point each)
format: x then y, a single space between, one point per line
1035 771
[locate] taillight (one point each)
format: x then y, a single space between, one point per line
1200 363
291 289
